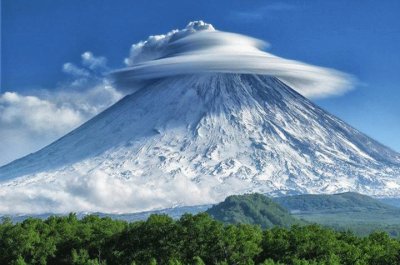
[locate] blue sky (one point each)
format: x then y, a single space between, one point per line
361 38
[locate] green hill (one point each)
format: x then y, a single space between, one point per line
252 209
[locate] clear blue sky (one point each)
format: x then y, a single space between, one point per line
358 37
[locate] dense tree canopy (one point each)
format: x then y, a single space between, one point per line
193 239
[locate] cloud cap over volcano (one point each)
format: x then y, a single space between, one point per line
200 48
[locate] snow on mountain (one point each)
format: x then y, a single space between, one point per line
191 140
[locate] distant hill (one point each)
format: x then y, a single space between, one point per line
252 209
341 202
391 201
359 213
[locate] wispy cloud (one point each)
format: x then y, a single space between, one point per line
262 12
70 68
95 63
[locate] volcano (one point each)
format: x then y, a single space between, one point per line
194 139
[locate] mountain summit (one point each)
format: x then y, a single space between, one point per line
195 139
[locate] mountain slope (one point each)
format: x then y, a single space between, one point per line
252 209
195 139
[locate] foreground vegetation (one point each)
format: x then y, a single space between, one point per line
193 239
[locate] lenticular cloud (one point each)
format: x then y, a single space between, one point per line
199 48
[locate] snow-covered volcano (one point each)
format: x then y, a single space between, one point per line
195 139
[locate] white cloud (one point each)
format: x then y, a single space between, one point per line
93 62
70 68
157 46
29 122
92 71
199 48
36 114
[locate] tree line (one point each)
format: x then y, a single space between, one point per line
193 239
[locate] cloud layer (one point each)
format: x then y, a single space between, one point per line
199 48
97 191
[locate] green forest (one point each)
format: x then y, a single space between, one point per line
192 239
